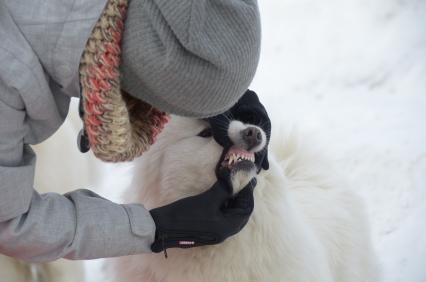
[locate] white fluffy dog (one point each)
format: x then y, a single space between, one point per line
305 226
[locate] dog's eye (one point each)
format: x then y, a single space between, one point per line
206 133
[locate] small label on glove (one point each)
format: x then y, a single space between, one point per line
186 243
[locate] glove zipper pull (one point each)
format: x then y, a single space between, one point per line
162 243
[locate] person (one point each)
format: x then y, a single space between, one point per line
130 62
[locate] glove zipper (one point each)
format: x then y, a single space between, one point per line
162 244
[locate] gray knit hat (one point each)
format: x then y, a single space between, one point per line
190 57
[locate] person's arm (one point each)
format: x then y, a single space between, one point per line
78 225
83 225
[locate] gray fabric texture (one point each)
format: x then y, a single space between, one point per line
39 57
190 57
193 58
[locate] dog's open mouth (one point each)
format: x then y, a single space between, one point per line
238 159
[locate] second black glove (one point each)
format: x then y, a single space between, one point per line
205 219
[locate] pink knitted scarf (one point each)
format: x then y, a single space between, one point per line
119 127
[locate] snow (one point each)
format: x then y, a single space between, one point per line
354 73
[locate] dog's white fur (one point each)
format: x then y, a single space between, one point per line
306 226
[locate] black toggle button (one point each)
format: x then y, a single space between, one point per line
83 142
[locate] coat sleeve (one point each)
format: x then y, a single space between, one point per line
77 225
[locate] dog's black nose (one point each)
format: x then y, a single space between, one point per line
252 136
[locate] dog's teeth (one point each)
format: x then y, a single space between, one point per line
235 158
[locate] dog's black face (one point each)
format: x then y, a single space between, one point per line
246 125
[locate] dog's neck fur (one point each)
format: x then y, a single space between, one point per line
304 227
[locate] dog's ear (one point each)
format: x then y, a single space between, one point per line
262 160
265 163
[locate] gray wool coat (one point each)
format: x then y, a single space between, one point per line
41 42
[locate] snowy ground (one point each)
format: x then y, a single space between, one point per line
354 72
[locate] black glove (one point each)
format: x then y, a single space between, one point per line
205 219
248 110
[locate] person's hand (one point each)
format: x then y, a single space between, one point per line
247 110
205 219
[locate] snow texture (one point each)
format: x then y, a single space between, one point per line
354 73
